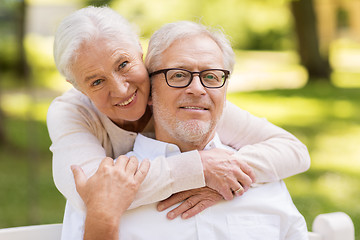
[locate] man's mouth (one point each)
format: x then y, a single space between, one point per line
127 102
194 108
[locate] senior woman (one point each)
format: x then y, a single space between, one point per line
98 52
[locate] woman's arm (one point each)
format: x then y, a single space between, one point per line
272 152
108 194
77 139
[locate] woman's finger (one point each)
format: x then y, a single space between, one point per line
106 161
132 165
122 161
79 176
142 171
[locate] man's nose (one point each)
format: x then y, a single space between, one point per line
196 86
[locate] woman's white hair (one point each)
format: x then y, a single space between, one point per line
85 25
171 32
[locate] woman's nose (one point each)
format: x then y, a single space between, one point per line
119 86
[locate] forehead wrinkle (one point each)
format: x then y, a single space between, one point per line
180 60
119 55
87 75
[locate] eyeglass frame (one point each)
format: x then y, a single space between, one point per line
226 72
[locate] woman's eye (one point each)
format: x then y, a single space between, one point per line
96 82
123 64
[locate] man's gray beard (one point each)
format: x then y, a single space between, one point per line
192 131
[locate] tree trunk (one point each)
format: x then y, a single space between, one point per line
22 65
308 42
2 131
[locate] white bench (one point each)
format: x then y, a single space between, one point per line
330 226
36 232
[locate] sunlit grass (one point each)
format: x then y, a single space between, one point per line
261 70
281 110
338 148
345 59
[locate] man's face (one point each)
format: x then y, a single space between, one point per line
188 116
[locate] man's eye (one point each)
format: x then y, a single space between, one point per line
97 82
123 64
179 75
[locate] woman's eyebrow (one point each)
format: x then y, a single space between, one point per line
88 78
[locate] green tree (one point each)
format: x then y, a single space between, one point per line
98 3
2 132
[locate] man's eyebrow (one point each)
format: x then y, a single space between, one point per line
182 66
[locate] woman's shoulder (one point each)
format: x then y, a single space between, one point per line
71 103
72 97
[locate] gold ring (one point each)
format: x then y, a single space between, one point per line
239 190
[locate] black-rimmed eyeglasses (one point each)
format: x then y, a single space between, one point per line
180 78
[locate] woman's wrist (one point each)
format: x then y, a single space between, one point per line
101 224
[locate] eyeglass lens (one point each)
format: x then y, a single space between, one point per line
209 78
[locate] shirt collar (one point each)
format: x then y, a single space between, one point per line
214 143
147 147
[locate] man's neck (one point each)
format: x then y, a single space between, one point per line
186 146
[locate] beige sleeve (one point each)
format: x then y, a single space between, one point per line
170 175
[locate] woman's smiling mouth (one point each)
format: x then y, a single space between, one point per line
127 102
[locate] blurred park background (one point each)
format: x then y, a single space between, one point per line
298 65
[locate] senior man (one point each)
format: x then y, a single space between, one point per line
189 66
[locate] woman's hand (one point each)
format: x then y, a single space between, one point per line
195 201
108 193
226 173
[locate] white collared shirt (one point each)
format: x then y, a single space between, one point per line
263 212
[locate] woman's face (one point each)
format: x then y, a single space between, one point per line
112 74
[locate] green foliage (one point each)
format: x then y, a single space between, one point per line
28 194
8 51
98 3
251 24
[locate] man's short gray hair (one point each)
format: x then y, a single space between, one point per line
85 25
171 32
